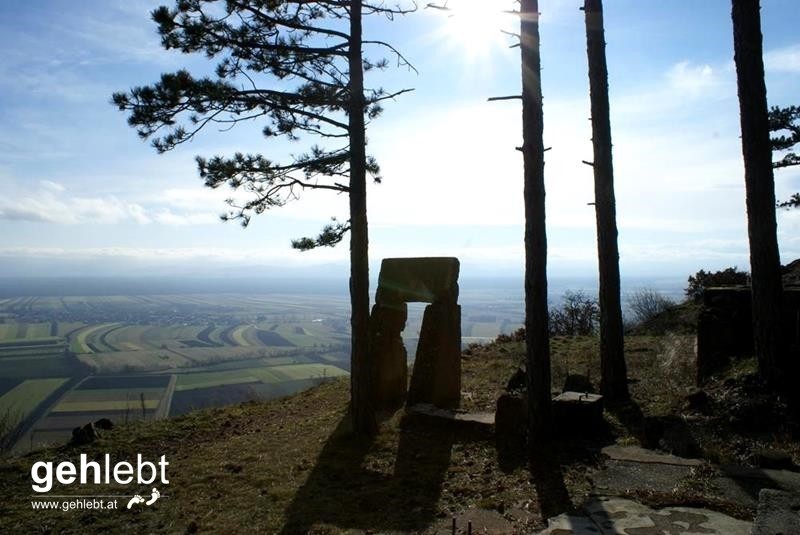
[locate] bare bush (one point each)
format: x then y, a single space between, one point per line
647 304
578 315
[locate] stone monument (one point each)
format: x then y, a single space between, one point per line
436 378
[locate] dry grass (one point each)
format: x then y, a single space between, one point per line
292 465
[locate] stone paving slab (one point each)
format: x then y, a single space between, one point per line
612 516
742 484
479 418
620 477
641 455
778 512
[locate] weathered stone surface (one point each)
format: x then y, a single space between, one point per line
742 484
389 358
578 383
483 420
85 435
778 513
641 455
511 416
578 413
104 423
436 378
725 328
426 280
606 516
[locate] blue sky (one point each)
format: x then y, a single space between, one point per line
81 194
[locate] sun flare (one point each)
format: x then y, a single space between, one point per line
475 26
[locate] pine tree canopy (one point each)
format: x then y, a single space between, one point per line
784 123
284 62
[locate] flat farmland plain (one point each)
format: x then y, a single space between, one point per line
127 357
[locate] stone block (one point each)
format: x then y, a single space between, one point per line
389 358
725 328
436 378
426 280
511 416
578 414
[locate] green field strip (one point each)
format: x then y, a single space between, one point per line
309 371
8 331
138 361
238 335
298 335
103 338
129 338
30 352
225 336
194 381
78 342
214 335
185 332
26 396
37 366
251 336
96 339
133 404
113 394
154 336
32 342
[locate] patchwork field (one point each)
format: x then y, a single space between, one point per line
26 396
121 399
73 359
268 375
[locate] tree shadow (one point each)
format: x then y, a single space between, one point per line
347 490
630 416
545 464
548 479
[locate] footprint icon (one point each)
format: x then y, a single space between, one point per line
135 500
155 496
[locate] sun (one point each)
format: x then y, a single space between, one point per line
475 26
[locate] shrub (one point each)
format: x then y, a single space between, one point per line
578 315
647 304
701 280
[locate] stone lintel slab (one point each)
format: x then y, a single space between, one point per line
423 279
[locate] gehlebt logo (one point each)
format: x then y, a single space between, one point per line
142 474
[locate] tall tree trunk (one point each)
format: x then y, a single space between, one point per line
614 383
361 406
536 316
765 263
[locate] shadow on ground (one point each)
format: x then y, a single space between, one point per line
345 489
546 469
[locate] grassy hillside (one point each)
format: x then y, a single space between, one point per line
291 465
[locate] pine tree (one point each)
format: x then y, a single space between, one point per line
298 66
784 123
765 266
536 313
612 354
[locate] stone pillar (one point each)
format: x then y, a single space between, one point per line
436 378
390 367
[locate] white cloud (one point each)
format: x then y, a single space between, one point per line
168 217
693 79
50 185
52 203
783 59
